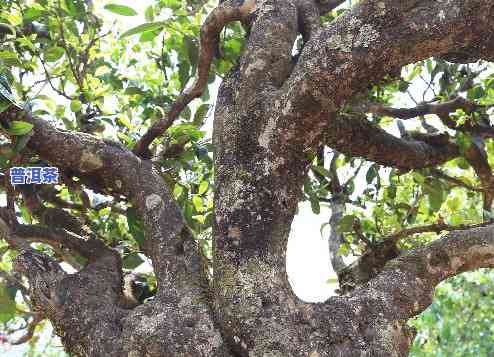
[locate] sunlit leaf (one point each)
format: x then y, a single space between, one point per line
150 26
19 127
121 9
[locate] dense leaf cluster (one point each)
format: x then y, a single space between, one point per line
82 66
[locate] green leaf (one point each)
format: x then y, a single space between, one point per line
428 63
188 212
150 26
462 163
454 204
149 13
135 225
20 128
125 122
350 187
4 105
132 261
7 304
149 35
344 250
199 218
178 190
372 173
435 193
418 177
346 224
129 142
71 7
186 129
403 206
121 9
391 192
13 17
197 201
75 105
321 171
203 187
8 55
314 204
200 114
26 215
53 54
476 92
415 72
464 141
403 86
21 142
172 4
33 12
132 90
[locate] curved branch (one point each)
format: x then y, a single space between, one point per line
475 154
176 257
267 61
91 249
420 271
401 291
422 109
356 136
225 13
50 216
92 293
374 260
359 48
115 170
442 110
436 228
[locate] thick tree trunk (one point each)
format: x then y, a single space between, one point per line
271 112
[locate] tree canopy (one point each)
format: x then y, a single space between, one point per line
379 110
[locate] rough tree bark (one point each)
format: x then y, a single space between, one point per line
271 110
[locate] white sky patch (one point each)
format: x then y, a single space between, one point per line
307 263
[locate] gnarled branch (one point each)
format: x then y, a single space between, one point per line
225 13
354 135
374 260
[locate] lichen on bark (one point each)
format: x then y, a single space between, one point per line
271 111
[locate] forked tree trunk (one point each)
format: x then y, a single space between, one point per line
272 111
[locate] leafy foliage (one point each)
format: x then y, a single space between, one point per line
381 201
111 70
458 323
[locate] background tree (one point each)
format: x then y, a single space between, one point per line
308 109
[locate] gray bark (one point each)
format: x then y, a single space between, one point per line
269 113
